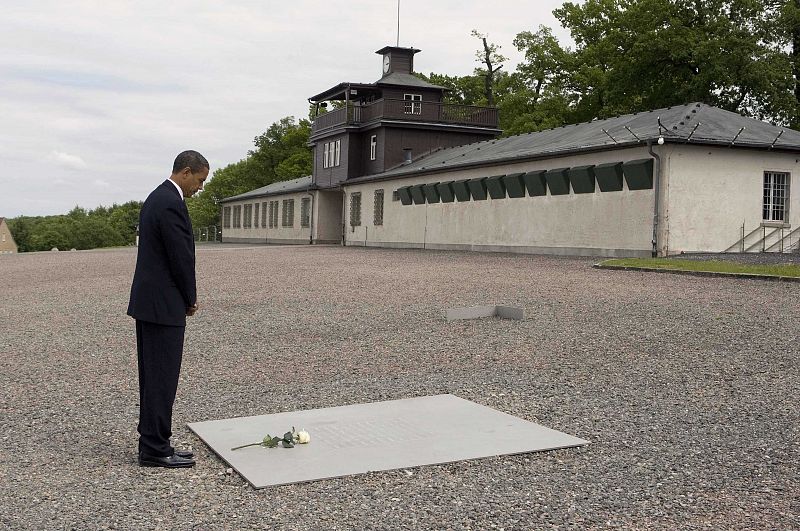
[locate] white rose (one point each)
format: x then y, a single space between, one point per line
303 437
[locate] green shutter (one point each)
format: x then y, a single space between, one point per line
514 185
638 174
609 176
557 181
477 188
582 179
431 194
495 186
446 191
417 195
405 194
535 183
461 190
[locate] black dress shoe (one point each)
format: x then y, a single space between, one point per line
186 454
171 461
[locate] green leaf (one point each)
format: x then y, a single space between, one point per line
288 444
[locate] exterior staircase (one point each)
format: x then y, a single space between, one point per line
764 239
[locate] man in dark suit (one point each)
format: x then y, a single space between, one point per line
163 293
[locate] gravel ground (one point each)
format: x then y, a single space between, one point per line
685 386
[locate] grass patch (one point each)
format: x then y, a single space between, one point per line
711 266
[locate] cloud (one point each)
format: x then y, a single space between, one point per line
101 183
65 160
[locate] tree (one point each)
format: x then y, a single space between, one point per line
633 55
490 57
281 153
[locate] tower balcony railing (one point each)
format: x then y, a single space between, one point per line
406 110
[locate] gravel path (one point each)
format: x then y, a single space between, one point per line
685 386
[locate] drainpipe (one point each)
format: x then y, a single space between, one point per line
656 187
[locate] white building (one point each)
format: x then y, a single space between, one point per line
689 178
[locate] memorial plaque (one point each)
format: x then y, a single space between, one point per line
363 438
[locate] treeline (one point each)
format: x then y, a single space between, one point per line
638 55
79 229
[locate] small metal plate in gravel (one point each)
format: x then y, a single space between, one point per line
362 438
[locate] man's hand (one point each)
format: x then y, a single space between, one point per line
191 310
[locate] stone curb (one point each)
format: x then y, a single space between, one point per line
749 276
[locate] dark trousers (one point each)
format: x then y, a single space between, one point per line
159 349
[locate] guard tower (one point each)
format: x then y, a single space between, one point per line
372 127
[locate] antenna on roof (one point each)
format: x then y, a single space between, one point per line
693 130
776 139
609 136
634 134
737 136
398 23
660 125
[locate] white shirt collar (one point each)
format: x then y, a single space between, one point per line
180 192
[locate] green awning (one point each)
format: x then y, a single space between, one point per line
557 181
495 186
582 179
609 176
535 183
477 188
461 190
446 191
417 195
431 194
405 194
514 185
638 174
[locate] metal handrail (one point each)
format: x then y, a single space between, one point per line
739 245
763 241
780 243
418 111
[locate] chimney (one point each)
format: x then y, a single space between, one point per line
406 156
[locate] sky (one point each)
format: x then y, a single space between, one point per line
98 97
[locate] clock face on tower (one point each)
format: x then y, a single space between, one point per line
386 63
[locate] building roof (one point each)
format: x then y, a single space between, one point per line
338 92
694 123
407 80
283 187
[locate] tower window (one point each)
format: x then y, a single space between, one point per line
412 103
373 146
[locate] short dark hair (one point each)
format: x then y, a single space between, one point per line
189 159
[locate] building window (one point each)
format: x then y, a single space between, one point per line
226 217
288 213
305 212
412 103
373 146
331 153
395 195
377 211
255 215
248 216
273 214
237 217
776 196
355 209
264 215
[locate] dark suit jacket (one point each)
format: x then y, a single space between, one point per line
164 283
